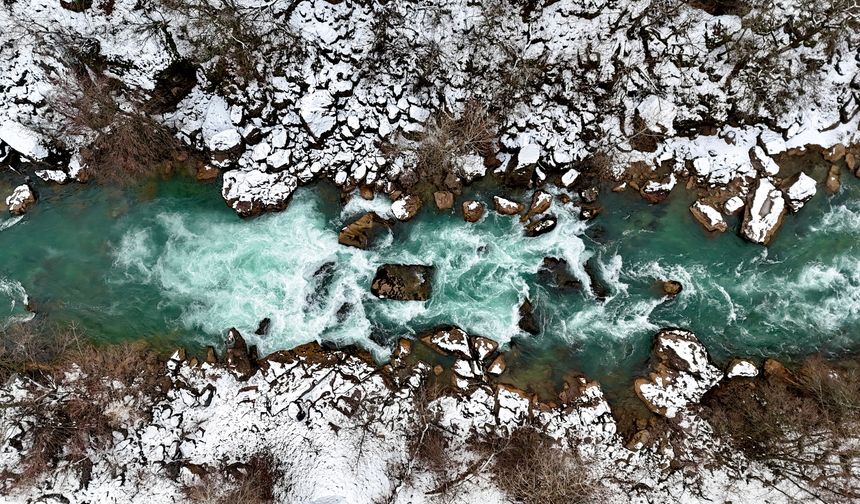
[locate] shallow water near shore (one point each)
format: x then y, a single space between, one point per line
169 262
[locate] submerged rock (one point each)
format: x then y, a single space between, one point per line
800 189
403 282
541 226
362 232
556 272
473 211
709 217
672 287
444 200
21 200
598 286
263 327
765 210
528 322
681 373
507 207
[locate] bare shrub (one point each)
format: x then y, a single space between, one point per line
127 144
28 347
445 138
248 483
802 425
529 467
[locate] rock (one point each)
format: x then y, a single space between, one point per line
364 231
263 327
709 217
55 176
672 287
498 366
206 172
733 205
589 211
833 179
835 153
741 368
366 192
444 200
521 168
556 272
765 210
403 282
254 192
541 201
657 191
483 347
473 210
762 162
211 356
681 373
317 113
448 341
541 226
438 370
406 207
21 200
23 140
236 354
76 5
598 286
569 178
657 115
506 206
851 162
589 195
775 370
528 322
800 189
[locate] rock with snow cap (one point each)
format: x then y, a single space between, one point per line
709 217
505 206
799 190
657 115
541 201
540 226
765 210
741 368
762 162
473 210
21 200
406 207
656 191
449 341
253 192
23 140
681 373
318 116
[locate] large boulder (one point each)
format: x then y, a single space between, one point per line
507 207
473 211
681 373
541 226
21 200
556 272
362 232
656 191
444 200
709 217
765 211
254 192
403 282
449 341
406 207
528 321
541 201
799 190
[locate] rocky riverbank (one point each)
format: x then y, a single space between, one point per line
335 427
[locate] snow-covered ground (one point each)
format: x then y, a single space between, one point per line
340 429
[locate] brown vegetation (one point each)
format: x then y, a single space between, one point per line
801 424
529 467
249 483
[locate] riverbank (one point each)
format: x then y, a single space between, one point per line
402 433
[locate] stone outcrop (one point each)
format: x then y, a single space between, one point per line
363 231
680 375
528 321
406 207
799 190
505 206
672 287
21 200
403 282
765 210
444 200
473 211
251 193
709 217
541 201
543 225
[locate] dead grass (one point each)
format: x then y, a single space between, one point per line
249 483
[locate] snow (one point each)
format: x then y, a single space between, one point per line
252 192
506 206
742 368
315 110
733 204
529 154
56 176
763 162
713 219
20 199
224 141
23 140
658 115
569 177
800 191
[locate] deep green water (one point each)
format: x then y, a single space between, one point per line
171 262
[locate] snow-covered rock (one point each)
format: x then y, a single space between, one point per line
505 206
709 217
316 111
23 140
406 207
253 192
765 210
21 200
801 189
762 162
741 368
657 115
681 373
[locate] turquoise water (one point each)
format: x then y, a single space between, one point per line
171 262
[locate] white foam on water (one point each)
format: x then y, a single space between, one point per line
11 221
840 219
13 295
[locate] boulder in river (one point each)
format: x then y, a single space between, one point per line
403 282
253 192
598 286
656 191
21 200
557 273
709 217
672 287
541 201
473 211
528 322
833 179
765 210
263 327
799 190
507 207
444 200
406 207
363 231
541 226
681 373
448 341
